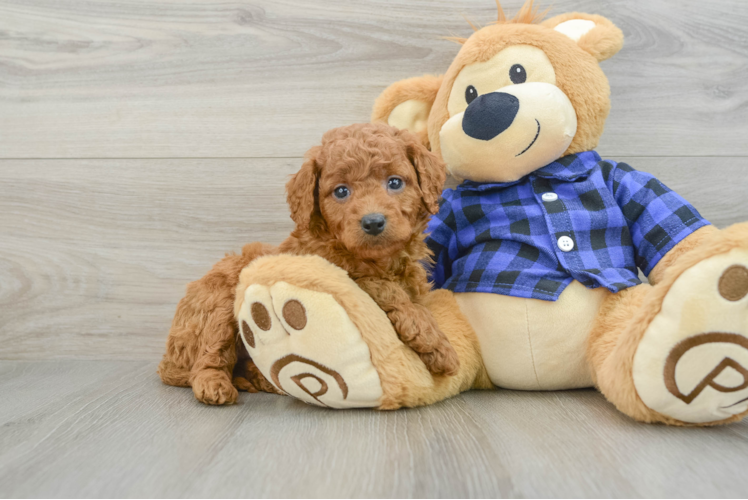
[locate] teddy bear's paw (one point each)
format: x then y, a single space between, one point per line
692 363
305 344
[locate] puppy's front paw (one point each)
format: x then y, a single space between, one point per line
214 387
442 360
418 329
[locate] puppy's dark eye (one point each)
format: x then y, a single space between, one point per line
517 74
341 192
470 94
395 184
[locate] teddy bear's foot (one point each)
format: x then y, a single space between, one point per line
305 344
692 362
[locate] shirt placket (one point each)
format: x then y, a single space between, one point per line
558 222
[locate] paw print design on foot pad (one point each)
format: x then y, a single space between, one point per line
305 344
692 363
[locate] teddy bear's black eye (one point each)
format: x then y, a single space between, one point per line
518 74
470 94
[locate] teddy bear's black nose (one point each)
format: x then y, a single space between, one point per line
489 115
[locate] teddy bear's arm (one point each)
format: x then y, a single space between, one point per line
658 218
692 241
441 238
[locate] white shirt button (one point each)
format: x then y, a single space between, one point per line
565 244
549 197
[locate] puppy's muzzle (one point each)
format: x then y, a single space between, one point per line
489 115
373 224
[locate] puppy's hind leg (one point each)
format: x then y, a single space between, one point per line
200 349
210 376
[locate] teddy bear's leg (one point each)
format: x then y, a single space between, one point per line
677 352
317 336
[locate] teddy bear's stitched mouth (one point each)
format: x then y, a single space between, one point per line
533 141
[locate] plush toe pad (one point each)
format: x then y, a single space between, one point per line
692 363
305 344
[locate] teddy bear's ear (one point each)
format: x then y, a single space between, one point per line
406 105
594 34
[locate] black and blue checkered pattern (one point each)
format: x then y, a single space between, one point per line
502 238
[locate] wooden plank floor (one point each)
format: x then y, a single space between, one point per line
109 428
140 140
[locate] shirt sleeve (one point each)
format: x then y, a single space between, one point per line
658 218
440 238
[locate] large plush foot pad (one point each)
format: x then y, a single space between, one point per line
305 344
692 363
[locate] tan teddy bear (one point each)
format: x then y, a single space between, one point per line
538 249
536 253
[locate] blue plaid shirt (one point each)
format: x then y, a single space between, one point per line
504 238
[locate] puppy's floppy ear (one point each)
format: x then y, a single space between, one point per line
302 192
594 34
406 105
430 170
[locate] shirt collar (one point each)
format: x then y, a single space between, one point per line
567 168
570 167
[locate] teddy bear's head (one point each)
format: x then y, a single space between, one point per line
520 94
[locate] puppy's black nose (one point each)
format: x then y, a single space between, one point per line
373 224
489 115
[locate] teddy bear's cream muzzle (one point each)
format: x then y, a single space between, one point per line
485 143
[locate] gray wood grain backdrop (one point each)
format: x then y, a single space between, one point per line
140 140
210 78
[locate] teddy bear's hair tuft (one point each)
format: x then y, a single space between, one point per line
528 14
